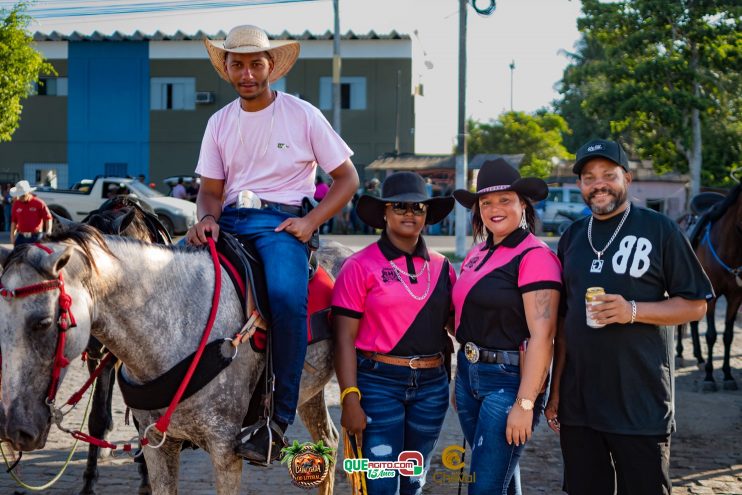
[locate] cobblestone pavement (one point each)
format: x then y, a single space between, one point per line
706 450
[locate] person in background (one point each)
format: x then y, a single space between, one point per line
179 190
391 304
505 302
30 217
320 191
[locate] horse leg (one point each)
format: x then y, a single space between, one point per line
100 422
227 468
162 464
679 343
697 353
732 308
317 420
709 385
144 487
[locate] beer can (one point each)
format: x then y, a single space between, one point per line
590 303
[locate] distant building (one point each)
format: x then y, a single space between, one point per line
138 104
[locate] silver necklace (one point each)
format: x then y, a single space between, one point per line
399 274
400 271
597 264
270 133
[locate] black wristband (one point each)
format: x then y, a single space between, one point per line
207 215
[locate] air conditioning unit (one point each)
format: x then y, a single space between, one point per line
204 97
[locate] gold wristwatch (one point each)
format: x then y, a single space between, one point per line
526 404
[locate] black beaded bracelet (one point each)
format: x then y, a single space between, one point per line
208 215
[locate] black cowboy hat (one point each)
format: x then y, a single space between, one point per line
498 175
406 187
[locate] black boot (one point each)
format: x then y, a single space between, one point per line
253 441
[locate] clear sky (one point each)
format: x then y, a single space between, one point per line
530 32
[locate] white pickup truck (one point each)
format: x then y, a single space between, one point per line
177 215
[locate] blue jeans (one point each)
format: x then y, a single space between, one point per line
21 239
286 262
405 409
484 395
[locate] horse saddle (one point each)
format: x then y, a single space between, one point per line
705 207
244 266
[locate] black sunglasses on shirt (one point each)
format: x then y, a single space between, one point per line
401 208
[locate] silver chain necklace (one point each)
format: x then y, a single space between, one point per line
416 275
597 264
270 132
399 274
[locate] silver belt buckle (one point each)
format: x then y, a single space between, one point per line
27 235
248 199
471 351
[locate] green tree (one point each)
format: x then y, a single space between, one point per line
538 137
666 79
20 67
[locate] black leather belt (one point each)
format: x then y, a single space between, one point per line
476 354
290 209
28 235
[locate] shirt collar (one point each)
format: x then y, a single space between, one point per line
512 239
392 252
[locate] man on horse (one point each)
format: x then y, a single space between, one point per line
258 163
612 394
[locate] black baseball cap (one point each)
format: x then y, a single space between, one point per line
600 148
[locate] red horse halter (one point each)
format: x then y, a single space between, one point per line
65 321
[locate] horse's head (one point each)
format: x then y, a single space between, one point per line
36 282
129 217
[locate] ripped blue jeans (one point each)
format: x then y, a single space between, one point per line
484 395
405 409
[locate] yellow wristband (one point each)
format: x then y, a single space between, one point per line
349 390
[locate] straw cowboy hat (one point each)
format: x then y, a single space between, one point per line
252 39
21 188
498 175
405 187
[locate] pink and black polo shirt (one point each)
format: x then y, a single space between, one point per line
488 296
391 321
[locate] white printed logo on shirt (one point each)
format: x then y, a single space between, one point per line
638 264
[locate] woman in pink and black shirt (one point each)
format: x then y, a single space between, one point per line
507 293
391 304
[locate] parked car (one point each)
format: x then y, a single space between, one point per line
563 206
176 215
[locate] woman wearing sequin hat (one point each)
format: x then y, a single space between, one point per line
391 304
506 298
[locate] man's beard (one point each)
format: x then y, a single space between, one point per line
618 200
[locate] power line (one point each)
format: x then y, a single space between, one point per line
97 7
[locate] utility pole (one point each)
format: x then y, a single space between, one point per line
336 123
512 69
461 172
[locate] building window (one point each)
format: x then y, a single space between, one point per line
173 93
352 93
52 86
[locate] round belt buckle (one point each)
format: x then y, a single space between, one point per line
471 351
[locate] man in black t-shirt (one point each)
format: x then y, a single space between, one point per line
612 397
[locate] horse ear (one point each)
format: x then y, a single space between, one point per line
62 222
54 263
122 222
4 253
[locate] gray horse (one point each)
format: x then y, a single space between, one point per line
122 290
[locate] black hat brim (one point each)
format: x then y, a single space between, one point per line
371 209
580 164
530 187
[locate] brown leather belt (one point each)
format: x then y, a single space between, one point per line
413 362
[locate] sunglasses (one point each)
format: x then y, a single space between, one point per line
401 208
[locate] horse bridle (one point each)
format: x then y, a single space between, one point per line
65 321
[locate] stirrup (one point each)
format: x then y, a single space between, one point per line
274 432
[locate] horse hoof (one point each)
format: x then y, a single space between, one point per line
701 365
709 387
730 384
